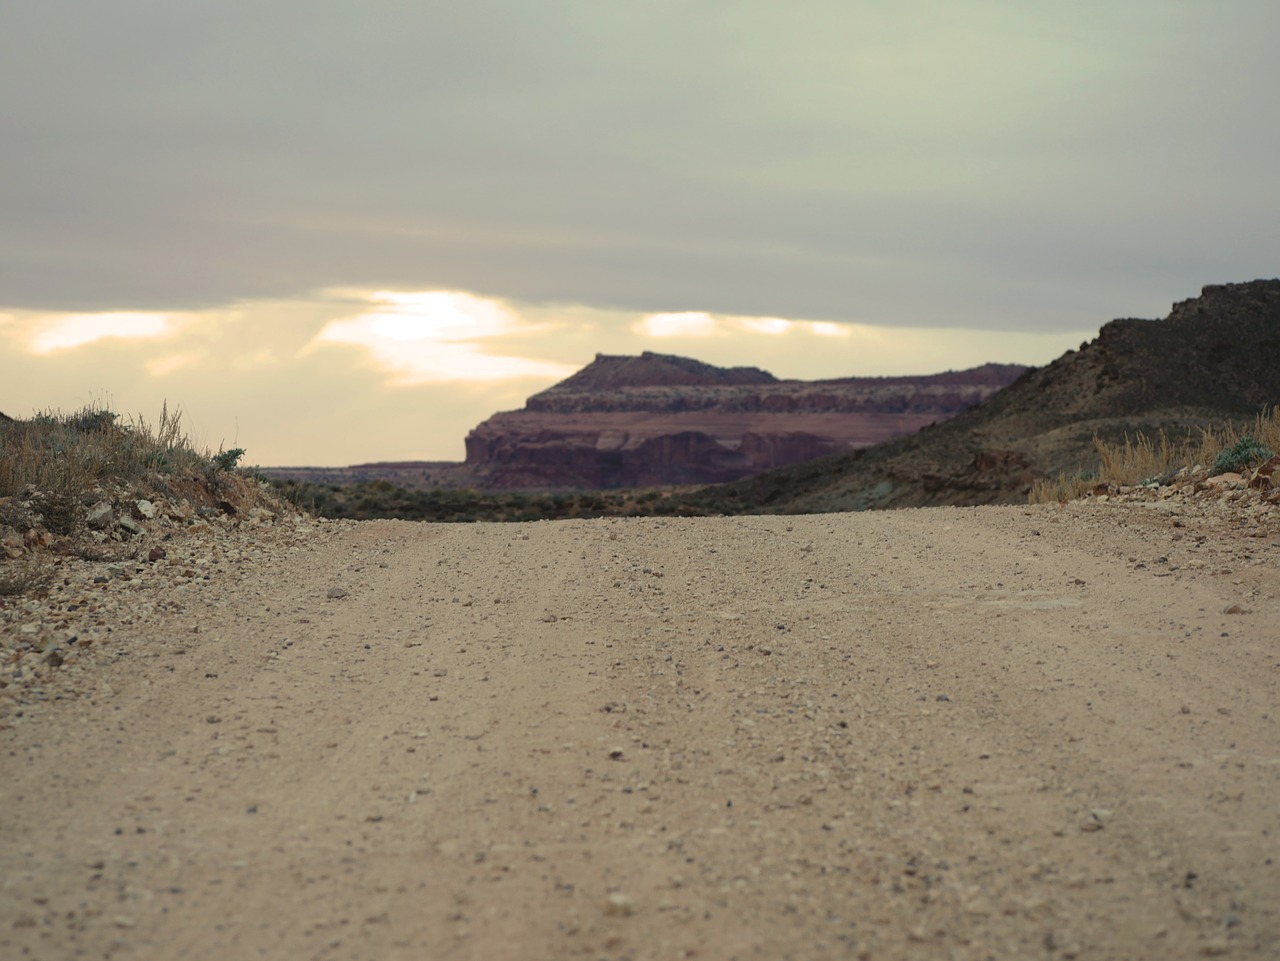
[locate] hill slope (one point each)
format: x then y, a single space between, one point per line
1214 358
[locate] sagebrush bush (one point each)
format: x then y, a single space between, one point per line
1240 456
25 579
226 460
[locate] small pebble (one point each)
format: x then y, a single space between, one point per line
619 905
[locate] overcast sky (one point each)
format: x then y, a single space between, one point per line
336 232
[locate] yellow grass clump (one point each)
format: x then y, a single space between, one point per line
55 451
1144 460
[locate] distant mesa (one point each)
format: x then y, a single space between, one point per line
660 419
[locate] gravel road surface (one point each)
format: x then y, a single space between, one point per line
1041 732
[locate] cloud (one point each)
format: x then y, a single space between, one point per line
686 324
171 363
69 331
895 164
767 325
437 336
699 325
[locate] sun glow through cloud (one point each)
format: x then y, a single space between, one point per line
698 324
77 330
767 325
444 315
687 324
433 336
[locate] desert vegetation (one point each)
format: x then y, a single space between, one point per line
1143 460
56 466
70 452
382 499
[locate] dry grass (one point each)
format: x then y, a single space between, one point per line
66 454
1063 488
1141 459
1144 460
52 464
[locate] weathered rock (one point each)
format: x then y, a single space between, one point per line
11 544
1264 476
100 516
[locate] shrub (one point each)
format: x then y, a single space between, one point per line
1141 459
27 579
226 460
1240 455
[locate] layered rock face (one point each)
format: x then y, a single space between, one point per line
659 419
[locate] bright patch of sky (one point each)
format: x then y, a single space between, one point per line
440 336
687 324
76 330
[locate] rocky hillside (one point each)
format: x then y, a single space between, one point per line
1215 358
658 419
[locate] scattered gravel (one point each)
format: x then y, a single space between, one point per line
51 638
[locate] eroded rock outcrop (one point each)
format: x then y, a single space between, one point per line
659 419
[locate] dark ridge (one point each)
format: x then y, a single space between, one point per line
985 375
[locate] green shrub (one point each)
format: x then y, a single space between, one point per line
226 460
1239 456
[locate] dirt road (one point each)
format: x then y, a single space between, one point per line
989 733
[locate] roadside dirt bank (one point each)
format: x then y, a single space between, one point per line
984 733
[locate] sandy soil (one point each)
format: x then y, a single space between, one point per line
986 733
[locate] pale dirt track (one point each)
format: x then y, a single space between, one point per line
993 733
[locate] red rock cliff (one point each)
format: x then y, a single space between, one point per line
659 419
